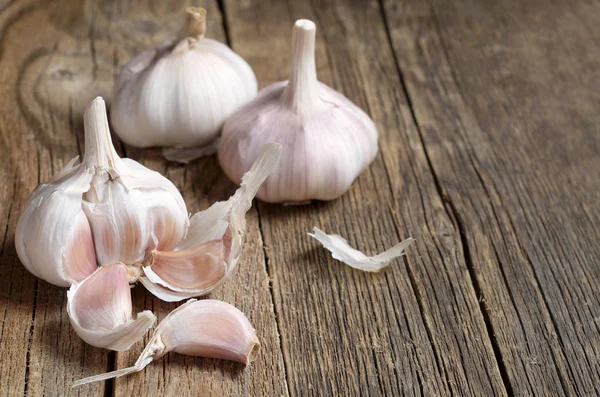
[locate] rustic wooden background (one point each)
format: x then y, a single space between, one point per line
490 157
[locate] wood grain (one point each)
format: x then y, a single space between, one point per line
76 54
414 329
505 94
489 157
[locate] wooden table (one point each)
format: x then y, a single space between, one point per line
488 114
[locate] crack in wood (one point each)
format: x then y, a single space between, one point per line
453 215
266 260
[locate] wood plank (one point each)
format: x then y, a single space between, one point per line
506 97
415 328
38 350
203 183
62 55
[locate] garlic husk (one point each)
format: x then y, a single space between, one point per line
206 328
53 237
179 93
212 248
131 209
327 140
100 308
342 251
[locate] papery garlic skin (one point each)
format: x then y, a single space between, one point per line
131 209
53 237
327 140
342 251
213 246
206 328
179 94
100 308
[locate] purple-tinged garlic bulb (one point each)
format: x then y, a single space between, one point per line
327 140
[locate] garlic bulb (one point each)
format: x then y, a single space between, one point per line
99 309
179 93
207 328
102 211
108 210
327 141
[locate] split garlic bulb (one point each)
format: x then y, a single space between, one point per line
130 208
327 140
179 93
109 210
206 328
103 210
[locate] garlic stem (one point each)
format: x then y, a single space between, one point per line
99 150
301 92
195 23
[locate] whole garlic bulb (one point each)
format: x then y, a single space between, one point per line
327 140
179 93
104 210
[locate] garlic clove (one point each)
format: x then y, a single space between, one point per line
100 310
328 141
341 250
197 268
131 209
178 94
53 237
206 328
213 245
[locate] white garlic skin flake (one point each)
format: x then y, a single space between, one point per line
327 140
179 93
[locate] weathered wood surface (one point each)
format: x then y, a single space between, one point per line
490 158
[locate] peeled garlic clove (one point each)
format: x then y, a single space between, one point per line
341 251
179 93
100 310
206 328
131 209
212 247
327 140
53 237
